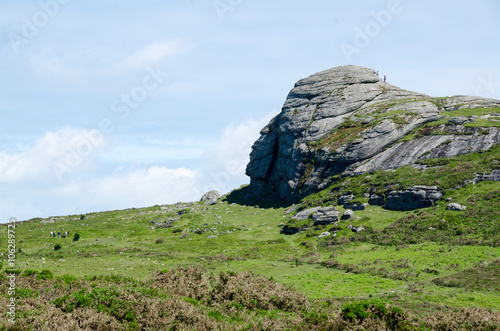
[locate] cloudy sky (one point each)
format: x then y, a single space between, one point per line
113 104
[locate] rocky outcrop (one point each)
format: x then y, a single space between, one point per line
460 140
210 198
493 177
326 216
346 121
355 229
413 198
304 214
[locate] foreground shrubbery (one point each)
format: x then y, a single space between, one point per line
189 298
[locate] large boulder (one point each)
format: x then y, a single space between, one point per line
304 214
210 198
413 198
326 216
348 214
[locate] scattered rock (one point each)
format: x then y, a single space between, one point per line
324 234
210 198
345 199
47 221
348 214
413 198
356 206
210 237
456 207
354 229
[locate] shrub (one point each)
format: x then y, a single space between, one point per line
29 272
45 274
76 237
176 230
57 247
159 241
82 217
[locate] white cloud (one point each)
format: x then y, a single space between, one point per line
31 188
153 54
224 163
36 164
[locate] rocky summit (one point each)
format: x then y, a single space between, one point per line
345 121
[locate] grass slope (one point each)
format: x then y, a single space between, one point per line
431 262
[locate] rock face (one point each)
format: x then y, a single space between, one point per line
210 198
413 198
346 121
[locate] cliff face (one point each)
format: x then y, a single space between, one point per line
346 121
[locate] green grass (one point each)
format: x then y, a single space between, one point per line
397 258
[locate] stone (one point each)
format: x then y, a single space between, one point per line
345 199
324 234
355 229
494 177
210 198
413 198
376 200
356 206
326 216
211 237
304 214
348 214
456 207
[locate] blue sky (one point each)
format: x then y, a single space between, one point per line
116 104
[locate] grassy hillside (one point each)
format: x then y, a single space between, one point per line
417 268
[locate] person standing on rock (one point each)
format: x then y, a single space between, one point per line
385 78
